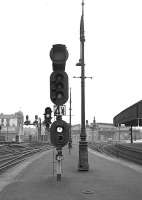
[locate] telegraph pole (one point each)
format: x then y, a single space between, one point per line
83 145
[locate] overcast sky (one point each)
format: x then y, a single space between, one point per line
113 54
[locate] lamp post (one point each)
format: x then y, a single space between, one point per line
83 145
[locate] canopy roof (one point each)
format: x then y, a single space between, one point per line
131 116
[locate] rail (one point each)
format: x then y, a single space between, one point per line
15 155
131 152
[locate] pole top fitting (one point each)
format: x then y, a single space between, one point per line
82 2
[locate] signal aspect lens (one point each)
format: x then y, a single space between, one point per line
60 86
59 129
59 77
59 95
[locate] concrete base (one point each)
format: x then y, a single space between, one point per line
83 156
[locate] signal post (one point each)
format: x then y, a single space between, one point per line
59 131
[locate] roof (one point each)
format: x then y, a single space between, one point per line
131 116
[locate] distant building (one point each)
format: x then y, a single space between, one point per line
11 125
30 131
75 133
33 133
76 130
105 132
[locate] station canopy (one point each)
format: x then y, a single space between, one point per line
131 116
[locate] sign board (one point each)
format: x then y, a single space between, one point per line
59 110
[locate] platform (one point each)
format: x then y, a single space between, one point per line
107 179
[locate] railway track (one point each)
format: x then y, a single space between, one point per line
99 147
10 155
131 152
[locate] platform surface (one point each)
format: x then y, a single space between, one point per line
107 179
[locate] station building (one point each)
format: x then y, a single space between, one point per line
11 126
105 132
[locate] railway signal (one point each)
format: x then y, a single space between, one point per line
59 78
59 87
47 116
36 120
59 133
27 122
37 123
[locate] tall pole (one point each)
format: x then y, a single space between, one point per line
83 145
131 133
70 138
7 134
39 129
7 124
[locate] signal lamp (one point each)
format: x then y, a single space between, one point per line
59 87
